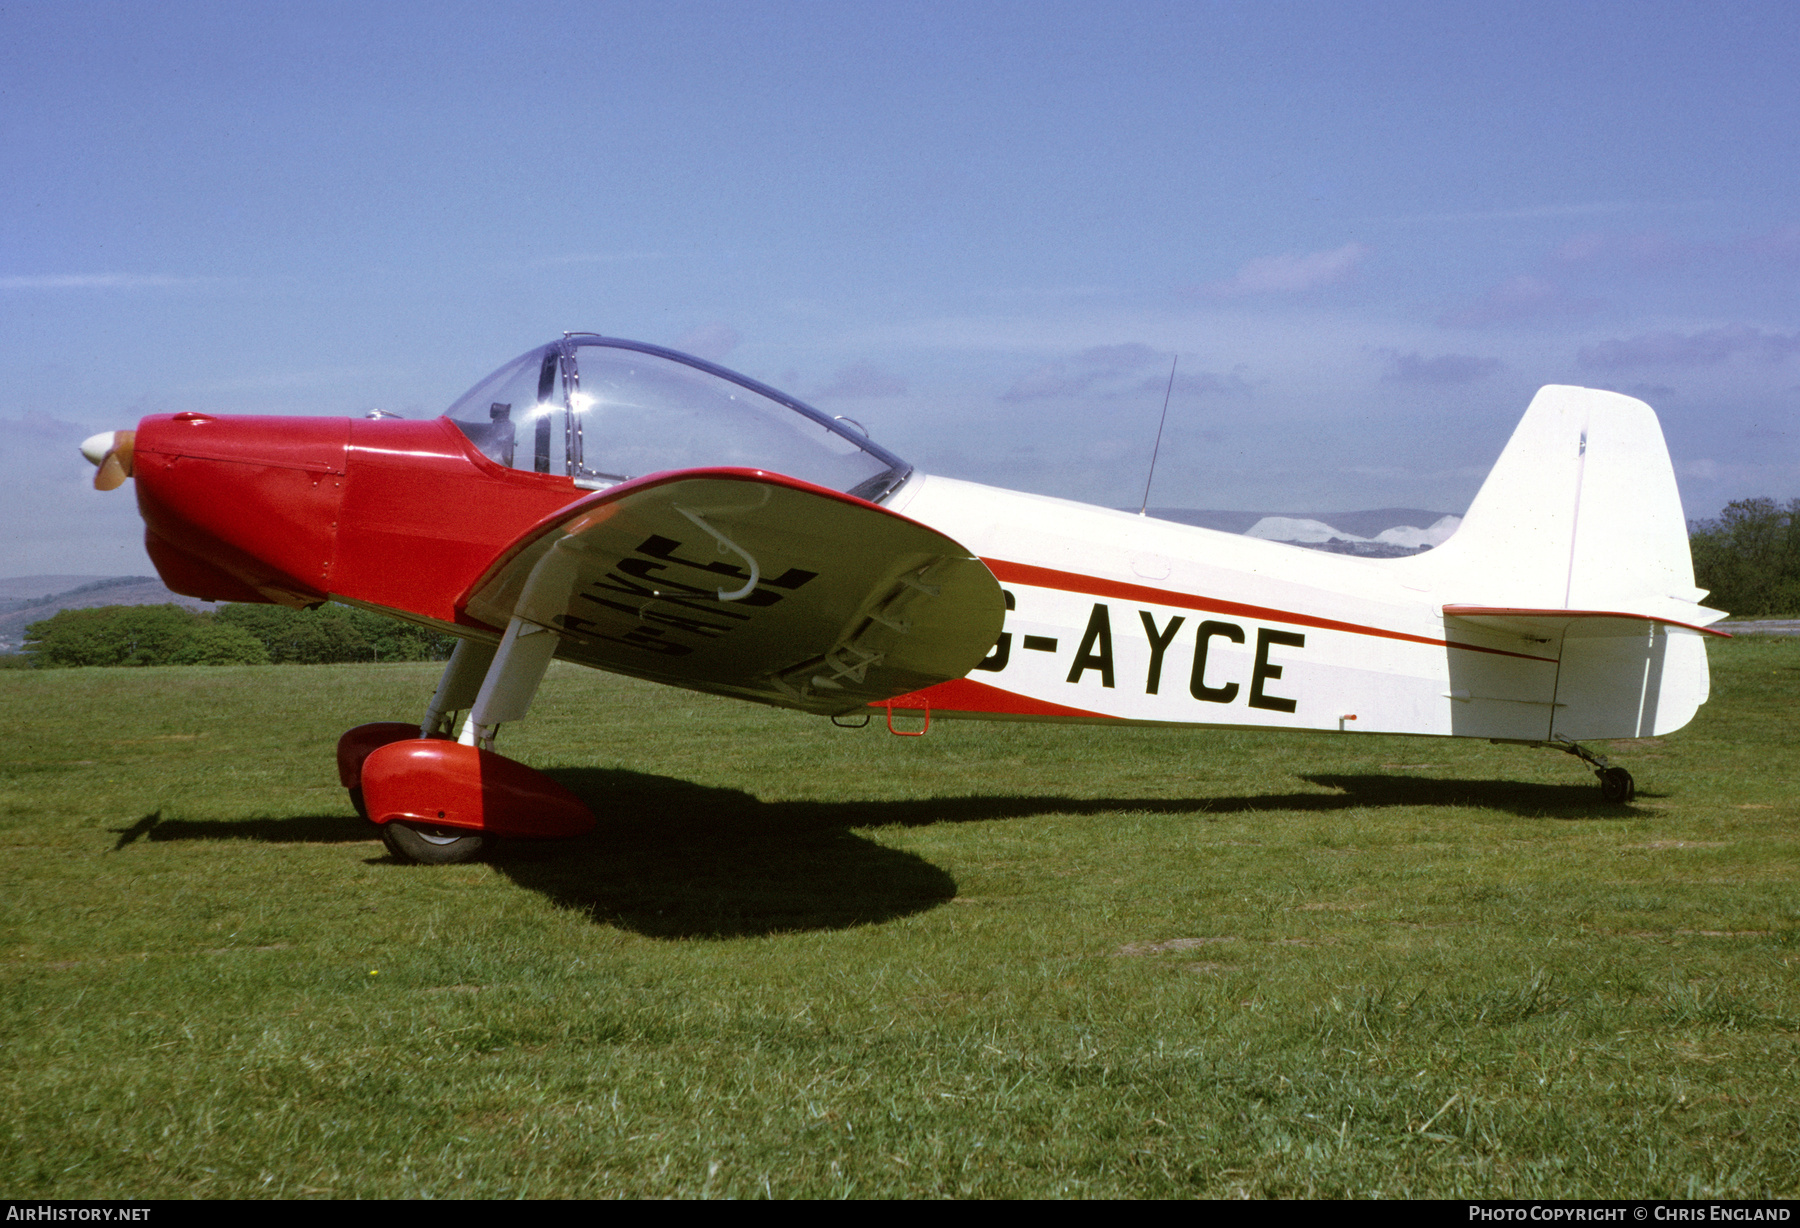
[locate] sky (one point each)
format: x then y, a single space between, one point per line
1364 234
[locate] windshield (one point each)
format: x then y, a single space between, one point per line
603 411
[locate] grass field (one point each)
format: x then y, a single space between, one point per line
1000 960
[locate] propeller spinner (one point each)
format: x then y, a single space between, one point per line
110 453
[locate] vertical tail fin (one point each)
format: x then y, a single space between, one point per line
1581 512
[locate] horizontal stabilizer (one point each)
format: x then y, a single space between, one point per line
1553 624
1614 674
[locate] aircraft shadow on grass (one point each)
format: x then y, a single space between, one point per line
673 859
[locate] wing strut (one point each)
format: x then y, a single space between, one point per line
511 682
458 688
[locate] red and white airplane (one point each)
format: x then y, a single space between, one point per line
639 510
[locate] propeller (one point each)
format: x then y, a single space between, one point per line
110 453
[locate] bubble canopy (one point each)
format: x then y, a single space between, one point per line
604 410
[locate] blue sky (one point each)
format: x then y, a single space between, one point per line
1370 232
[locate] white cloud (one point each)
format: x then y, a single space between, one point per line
62 524
94 281
1657 249
1442 369
1113 371
1095 366
568 258
1782 242
1518 298
861 380
34 426
711 341
1581 249
1533 212
1653 394
1724 480
1670 349
1291 271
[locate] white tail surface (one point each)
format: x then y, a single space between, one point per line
1581 513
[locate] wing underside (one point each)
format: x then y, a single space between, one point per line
747 583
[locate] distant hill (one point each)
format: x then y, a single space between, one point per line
1361 524
1383 533
34 603
23 588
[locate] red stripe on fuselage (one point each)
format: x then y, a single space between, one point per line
1074 582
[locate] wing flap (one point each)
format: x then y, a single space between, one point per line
748 583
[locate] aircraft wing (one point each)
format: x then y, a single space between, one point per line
747 583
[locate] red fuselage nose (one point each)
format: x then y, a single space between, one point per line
393 513
242 508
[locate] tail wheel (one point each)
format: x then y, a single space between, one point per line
431 846
1616 785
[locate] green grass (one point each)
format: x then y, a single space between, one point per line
1000 960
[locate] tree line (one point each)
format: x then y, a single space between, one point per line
1749 558
233 635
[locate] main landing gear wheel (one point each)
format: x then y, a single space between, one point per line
354 749
1616 785
440 802
431 846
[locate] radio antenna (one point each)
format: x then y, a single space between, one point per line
1145 509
